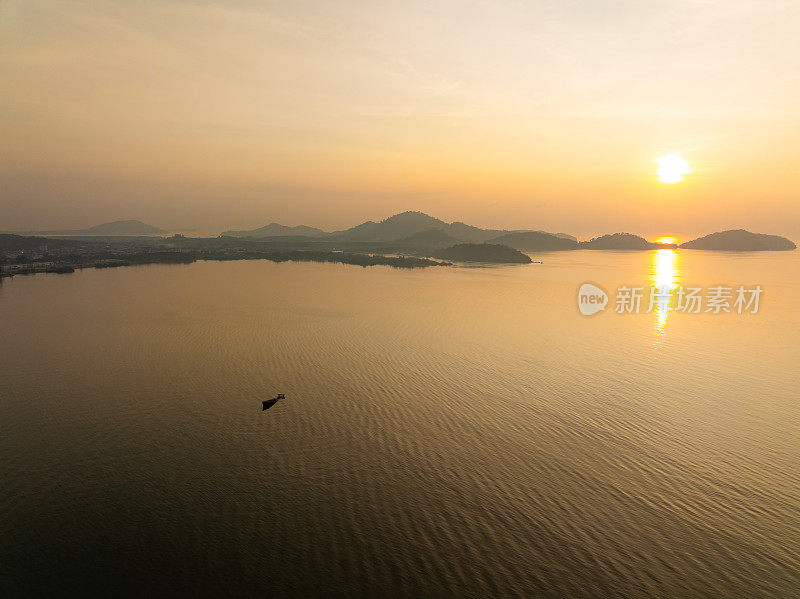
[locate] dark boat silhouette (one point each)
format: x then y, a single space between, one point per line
266 404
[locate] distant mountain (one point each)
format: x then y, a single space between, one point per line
403 225
366 231
430 238
276 230
562 235
535 241
465 232
393 228
117 228
739 240
621 241
483 252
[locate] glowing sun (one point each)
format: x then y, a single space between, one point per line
672 168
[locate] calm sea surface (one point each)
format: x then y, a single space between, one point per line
447 432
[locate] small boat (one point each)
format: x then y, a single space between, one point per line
266 404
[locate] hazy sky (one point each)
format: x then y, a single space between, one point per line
513 114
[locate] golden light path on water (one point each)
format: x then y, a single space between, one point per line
664 274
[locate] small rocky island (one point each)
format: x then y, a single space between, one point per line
483 252
739 240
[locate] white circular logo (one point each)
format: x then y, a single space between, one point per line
591 299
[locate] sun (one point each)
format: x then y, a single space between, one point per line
668 239
672 168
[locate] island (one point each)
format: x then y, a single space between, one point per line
535 241
623 241
356 259
739 240
483 252
406 240
20 255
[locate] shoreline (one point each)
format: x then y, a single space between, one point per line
355 259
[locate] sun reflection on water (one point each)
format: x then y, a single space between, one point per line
664 273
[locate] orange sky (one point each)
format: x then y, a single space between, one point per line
545 115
